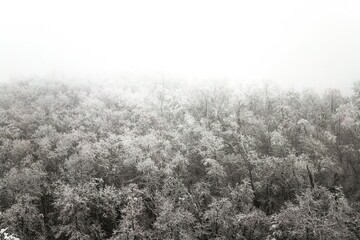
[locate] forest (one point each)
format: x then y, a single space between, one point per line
165 160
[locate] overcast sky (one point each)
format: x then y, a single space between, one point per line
301 44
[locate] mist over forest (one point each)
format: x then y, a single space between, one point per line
179 120
82 160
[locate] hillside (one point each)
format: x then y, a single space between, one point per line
166 161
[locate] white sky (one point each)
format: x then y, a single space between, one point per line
304 43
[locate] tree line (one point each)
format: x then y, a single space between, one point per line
168 161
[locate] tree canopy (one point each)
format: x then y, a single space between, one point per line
166 161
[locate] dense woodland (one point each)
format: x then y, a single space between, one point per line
167 161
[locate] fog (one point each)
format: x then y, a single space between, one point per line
296 44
